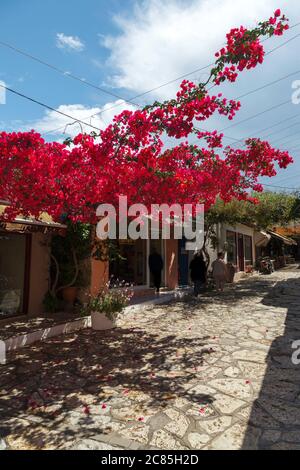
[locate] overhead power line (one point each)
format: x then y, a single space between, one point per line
256 115
269 127
47 106
277 141
296 175
85 123
281 130
60 71
87 83
296 148
267 85
197 70
241 96
269 52
279 122
280 187
282 44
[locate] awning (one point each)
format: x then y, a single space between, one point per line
29 224
261 239
285 240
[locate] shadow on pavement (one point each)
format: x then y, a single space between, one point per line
47 390
275 416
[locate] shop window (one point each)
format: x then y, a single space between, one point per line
129 263
248 250
12 274
231 247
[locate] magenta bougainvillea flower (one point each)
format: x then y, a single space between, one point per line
130 156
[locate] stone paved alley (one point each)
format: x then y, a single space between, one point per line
212 373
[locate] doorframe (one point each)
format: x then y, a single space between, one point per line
147 264
164 252
240 237
27 268
187 255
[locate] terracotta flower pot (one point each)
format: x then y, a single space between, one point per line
69 294
101 322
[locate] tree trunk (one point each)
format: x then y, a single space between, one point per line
76 264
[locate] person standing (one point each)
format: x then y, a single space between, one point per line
198 272
156 265
219 271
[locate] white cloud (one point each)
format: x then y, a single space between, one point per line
164 39
73 43
56 124
2 92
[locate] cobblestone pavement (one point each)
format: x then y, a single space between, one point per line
211 373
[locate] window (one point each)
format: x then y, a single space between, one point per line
128 262
248 250
12 274
231 247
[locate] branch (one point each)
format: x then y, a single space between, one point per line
76 264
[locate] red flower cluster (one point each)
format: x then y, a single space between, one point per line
244 49
280 26
129 156
252 165
213 139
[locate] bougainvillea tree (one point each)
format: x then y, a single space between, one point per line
130 158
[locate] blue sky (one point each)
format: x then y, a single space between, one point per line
32 26
127 47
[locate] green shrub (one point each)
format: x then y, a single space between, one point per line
110 302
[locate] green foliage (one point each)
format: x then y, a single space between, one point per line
274 209
109 302
271 209
107 250
70 251
50 303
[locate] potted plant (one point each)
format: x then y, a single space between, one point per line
70 268
68 271
105 307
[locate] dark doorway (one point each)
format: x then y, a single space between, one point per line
241 252
128 263
183 263
14 273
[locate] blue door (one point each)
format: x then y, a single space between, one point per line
183 263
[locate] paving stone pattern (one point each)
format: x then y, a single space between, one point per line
207 373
